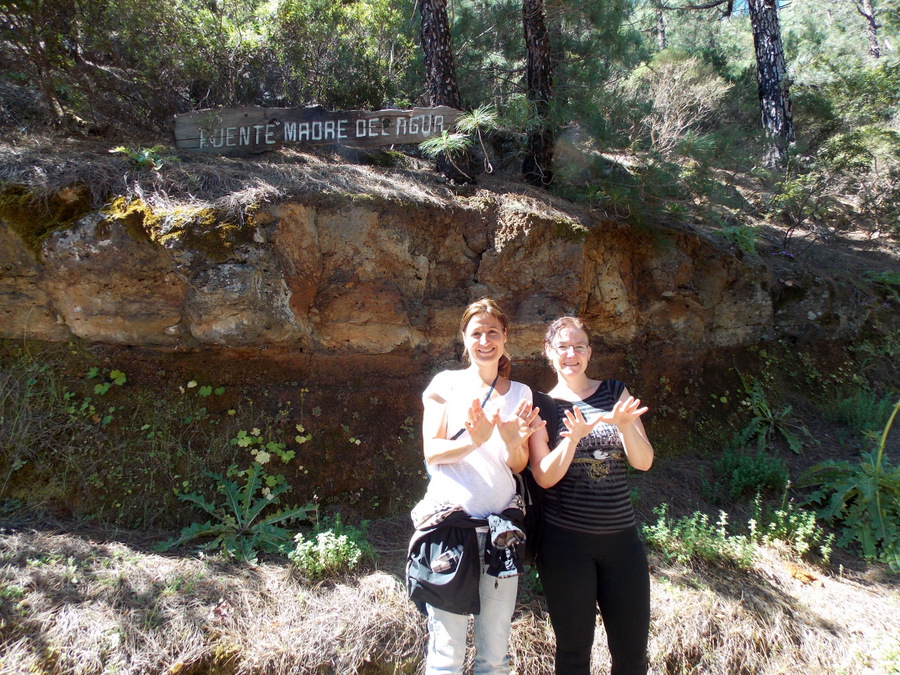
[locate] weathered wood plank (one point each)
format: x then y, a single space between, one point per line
252 130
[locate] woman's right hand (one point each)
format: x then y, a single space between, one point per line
577 427
478 424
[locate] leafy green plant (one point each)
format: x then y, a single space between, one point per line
890 281
744 474
791 525
115 377
767 421
145 158
237 525
452 145
479 121
863 411
864 498
329 551
694 538
742 236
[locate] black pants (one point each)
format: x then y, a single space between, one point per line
581 571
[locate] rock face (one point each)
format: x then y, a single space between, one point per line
344 307
338 277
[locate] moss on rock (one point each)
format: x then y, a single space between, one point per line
34 218
195 229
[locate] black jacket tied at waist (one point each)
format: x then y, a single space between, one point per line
443 564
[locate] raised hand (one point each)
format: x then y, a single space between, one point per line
517 429
478 424
577 427
624 412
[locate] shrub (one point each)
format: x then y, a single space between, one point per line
684 91
863 411
694 538
329 551
742 236
864 499
744 474
790 525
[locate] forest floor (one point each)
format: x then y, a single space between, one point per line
77 598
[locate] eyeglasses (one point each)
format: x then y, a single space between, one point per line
562 350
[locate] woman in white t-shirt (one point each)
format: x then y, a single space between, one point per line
472 450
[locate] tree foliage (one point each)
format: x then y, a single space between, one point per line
137 62
675 85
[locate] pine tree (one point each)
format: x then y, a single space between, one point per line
771 76
539 82
771 73
440 77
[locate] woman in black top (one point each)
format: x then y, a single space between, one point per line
590 552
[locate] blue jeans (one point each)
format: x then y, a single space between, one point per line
447 632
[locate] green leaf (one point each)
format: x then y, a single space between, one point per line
193 531
793 441
199 501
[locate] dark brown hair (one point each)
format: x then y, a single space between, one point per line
488 306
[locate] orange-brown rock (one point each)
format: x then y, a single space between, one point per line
389 277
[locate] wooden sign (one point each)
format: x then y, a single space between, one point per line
253 129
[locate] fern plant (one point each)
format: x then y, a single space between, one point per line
768 422
864 498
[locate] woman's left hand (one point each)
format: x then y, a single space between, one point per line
624 413
516 430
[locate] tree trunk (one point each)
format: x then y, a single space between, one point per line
771 76
440 78
867 10
537 167
662 40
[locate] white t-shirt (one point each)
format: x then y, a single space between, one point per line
480 483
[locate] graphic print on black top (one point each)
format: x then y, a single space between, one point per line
593 496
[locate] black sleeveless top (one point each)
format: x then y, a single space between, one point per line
593 496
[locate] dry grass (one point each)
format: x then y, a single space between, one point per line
71 604
85 603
